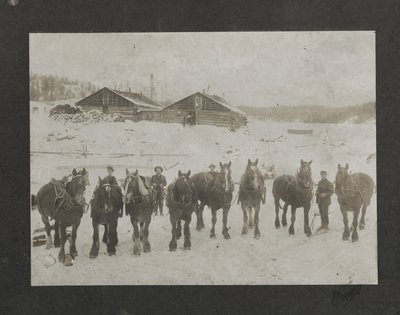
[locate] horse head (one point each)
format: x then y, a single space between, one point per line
76 187
304 173
134 187
103 198
253 175
183 189
342 175
225 177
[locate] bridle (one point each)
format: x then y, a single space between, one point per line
135 198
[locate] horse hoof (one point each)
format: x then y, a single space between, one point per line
92 256
136 253
226 236
362 226
291 231
112 253
147 249
178 237
257 236
277 225
172 249
284 223
212 236
354 238
345 238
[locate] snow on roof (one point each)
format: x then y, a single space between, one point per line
138 99
224 103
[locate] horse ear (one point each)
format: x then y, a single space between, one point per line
179 173
84 171
302 162
309 163
347 166
136 172
127 171
339 166
220 164
256 161
188 173
230 163
248 162
99 179
74 172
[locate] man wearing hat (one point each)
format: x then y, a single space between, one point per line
158 182
111 179
212 170
324 192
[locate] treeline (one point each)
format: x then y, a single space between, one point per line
313 114
53 88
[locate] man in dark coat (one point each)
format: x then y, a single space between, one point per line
324 192
158 182
110 177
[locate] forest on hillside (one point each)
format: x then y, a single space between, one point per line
52 88
313 114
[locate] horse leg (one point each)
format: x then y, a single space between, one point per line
112 235
173 244
116 233
199 214
105 235
362 221
307 229
213 221
257 233
135 237
187 244
72 246
354 235
292 220
57 239
284 220
49 239
146 243
178 230
94 251
346 232
63 232
251 222
245 227
225 232
277 223
141 234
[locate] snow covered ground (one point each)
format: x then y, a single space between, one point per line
275 258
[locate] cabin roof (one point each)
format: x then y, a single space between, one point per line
216 99
138 98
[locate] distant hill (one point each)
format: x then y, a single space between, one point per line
53 88
313 114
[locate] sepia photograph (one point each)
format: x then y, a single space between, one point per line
204 158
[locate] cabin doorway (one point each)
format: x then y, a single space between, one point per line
105 103
191 118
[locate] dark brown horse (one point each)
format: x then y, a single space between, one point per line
106 207
181 202
251 194
65 204
138 200
353 191
294 191
215 191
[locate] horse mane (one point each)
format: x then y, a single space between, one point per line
142 187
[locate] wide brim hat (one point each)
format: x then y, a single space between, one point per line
324 173
158 167
211 166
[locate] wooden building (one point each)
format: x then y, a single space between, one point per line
203 109
130 105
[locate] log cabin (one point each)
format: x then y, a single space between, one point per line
203 109
130 105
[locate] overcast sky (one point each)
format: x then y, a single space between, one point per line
248 68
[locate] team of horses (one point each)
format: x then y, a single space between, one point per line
188 194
